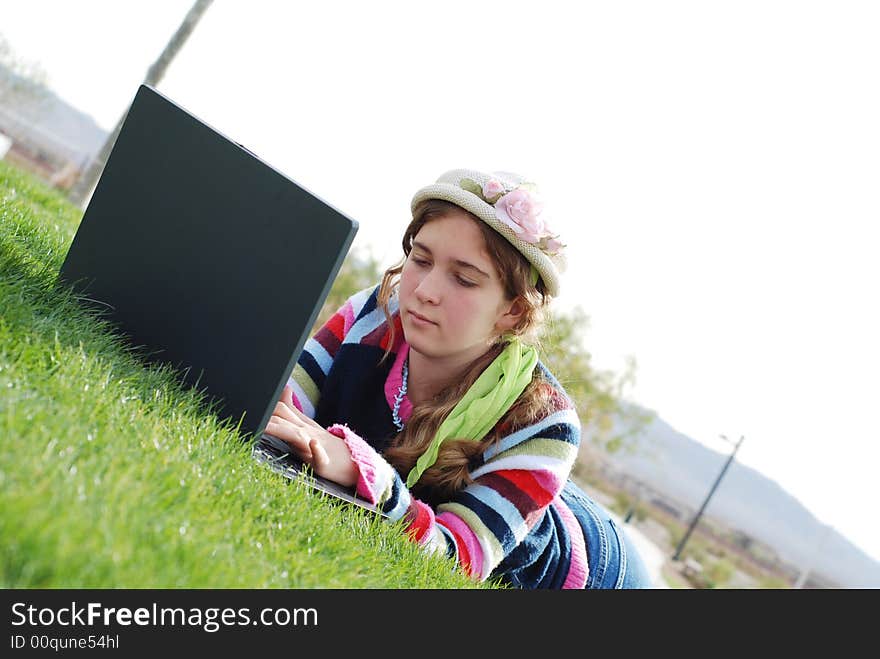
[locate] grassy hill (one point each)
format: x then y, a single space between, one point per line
112 475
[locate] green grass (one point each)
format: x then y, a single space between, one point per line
113 475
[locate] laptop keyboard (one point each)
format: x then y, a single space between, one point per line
276 454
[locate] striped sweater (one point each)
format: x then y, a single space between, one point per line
511 521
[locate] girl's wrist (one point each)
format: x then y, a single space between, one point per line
363 458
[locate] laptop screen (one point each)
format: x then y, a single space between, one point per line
206 257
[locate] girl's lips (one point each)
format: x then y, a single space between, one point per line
420 320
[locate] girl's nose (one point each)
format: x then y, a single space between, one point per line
427 291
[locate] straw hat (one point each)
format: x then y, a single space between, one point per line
511 205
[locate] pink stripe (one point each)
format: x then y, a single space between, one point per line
347 312
395 379
455 523
364 458
549 480
578 569
295 401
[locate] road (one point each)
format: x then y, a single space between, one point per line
651 554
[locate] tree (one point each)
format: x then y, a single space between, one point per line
21 81
89 177
359 270
598 394
719 573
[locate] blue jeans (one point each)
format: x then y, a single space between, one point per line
614 561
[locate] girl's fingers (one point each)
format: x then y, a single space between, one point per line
293 415
287 410
293 435
287 395
287 413
302 418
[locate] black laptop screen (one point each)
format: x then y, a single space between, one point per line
206 257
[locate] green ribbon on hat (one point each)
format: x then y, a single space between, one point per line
484 403
533 274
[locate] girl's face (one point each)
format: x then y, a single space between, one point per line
451 298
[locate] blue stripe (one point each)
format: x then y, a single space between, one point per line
370 316
364 326
451 549
319 353
532 564
490 518
312 369
367 300
552 380
359 299
399 501
556 426
493 499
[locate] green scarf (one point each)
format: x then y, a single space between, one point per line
483 405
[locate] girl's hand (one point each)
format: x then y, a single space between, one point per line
325 452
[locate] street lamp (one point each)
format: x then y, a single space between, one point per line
708 496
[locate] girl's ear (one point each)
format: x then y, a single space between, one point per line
513 316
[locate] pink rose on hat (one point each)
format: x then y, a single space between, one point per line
521 211
519 208
492 190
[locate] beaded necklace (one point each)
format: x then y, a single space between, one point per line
401 392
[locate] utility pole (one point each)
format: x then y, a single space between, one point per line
86 182
708 496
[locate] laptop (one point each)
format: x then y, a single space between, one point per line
208 259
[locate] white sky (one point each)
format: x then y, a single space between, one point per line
713 167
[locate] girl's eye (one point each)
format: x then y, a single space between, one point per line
422 263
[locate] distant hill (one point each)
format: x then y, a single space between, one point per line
684 469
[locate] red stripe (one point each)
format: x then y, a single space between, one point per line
385 337
520 498
421 522
328 340
526 482
398 332
464 557
336 324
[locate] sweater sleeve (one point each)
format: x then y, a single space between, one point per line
320 350
519 476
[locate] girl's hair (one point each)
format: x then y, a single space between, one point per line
449 473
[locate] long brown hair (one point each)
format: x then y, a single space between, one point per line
449 473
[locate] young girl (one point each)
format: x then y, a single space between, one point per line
426 395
